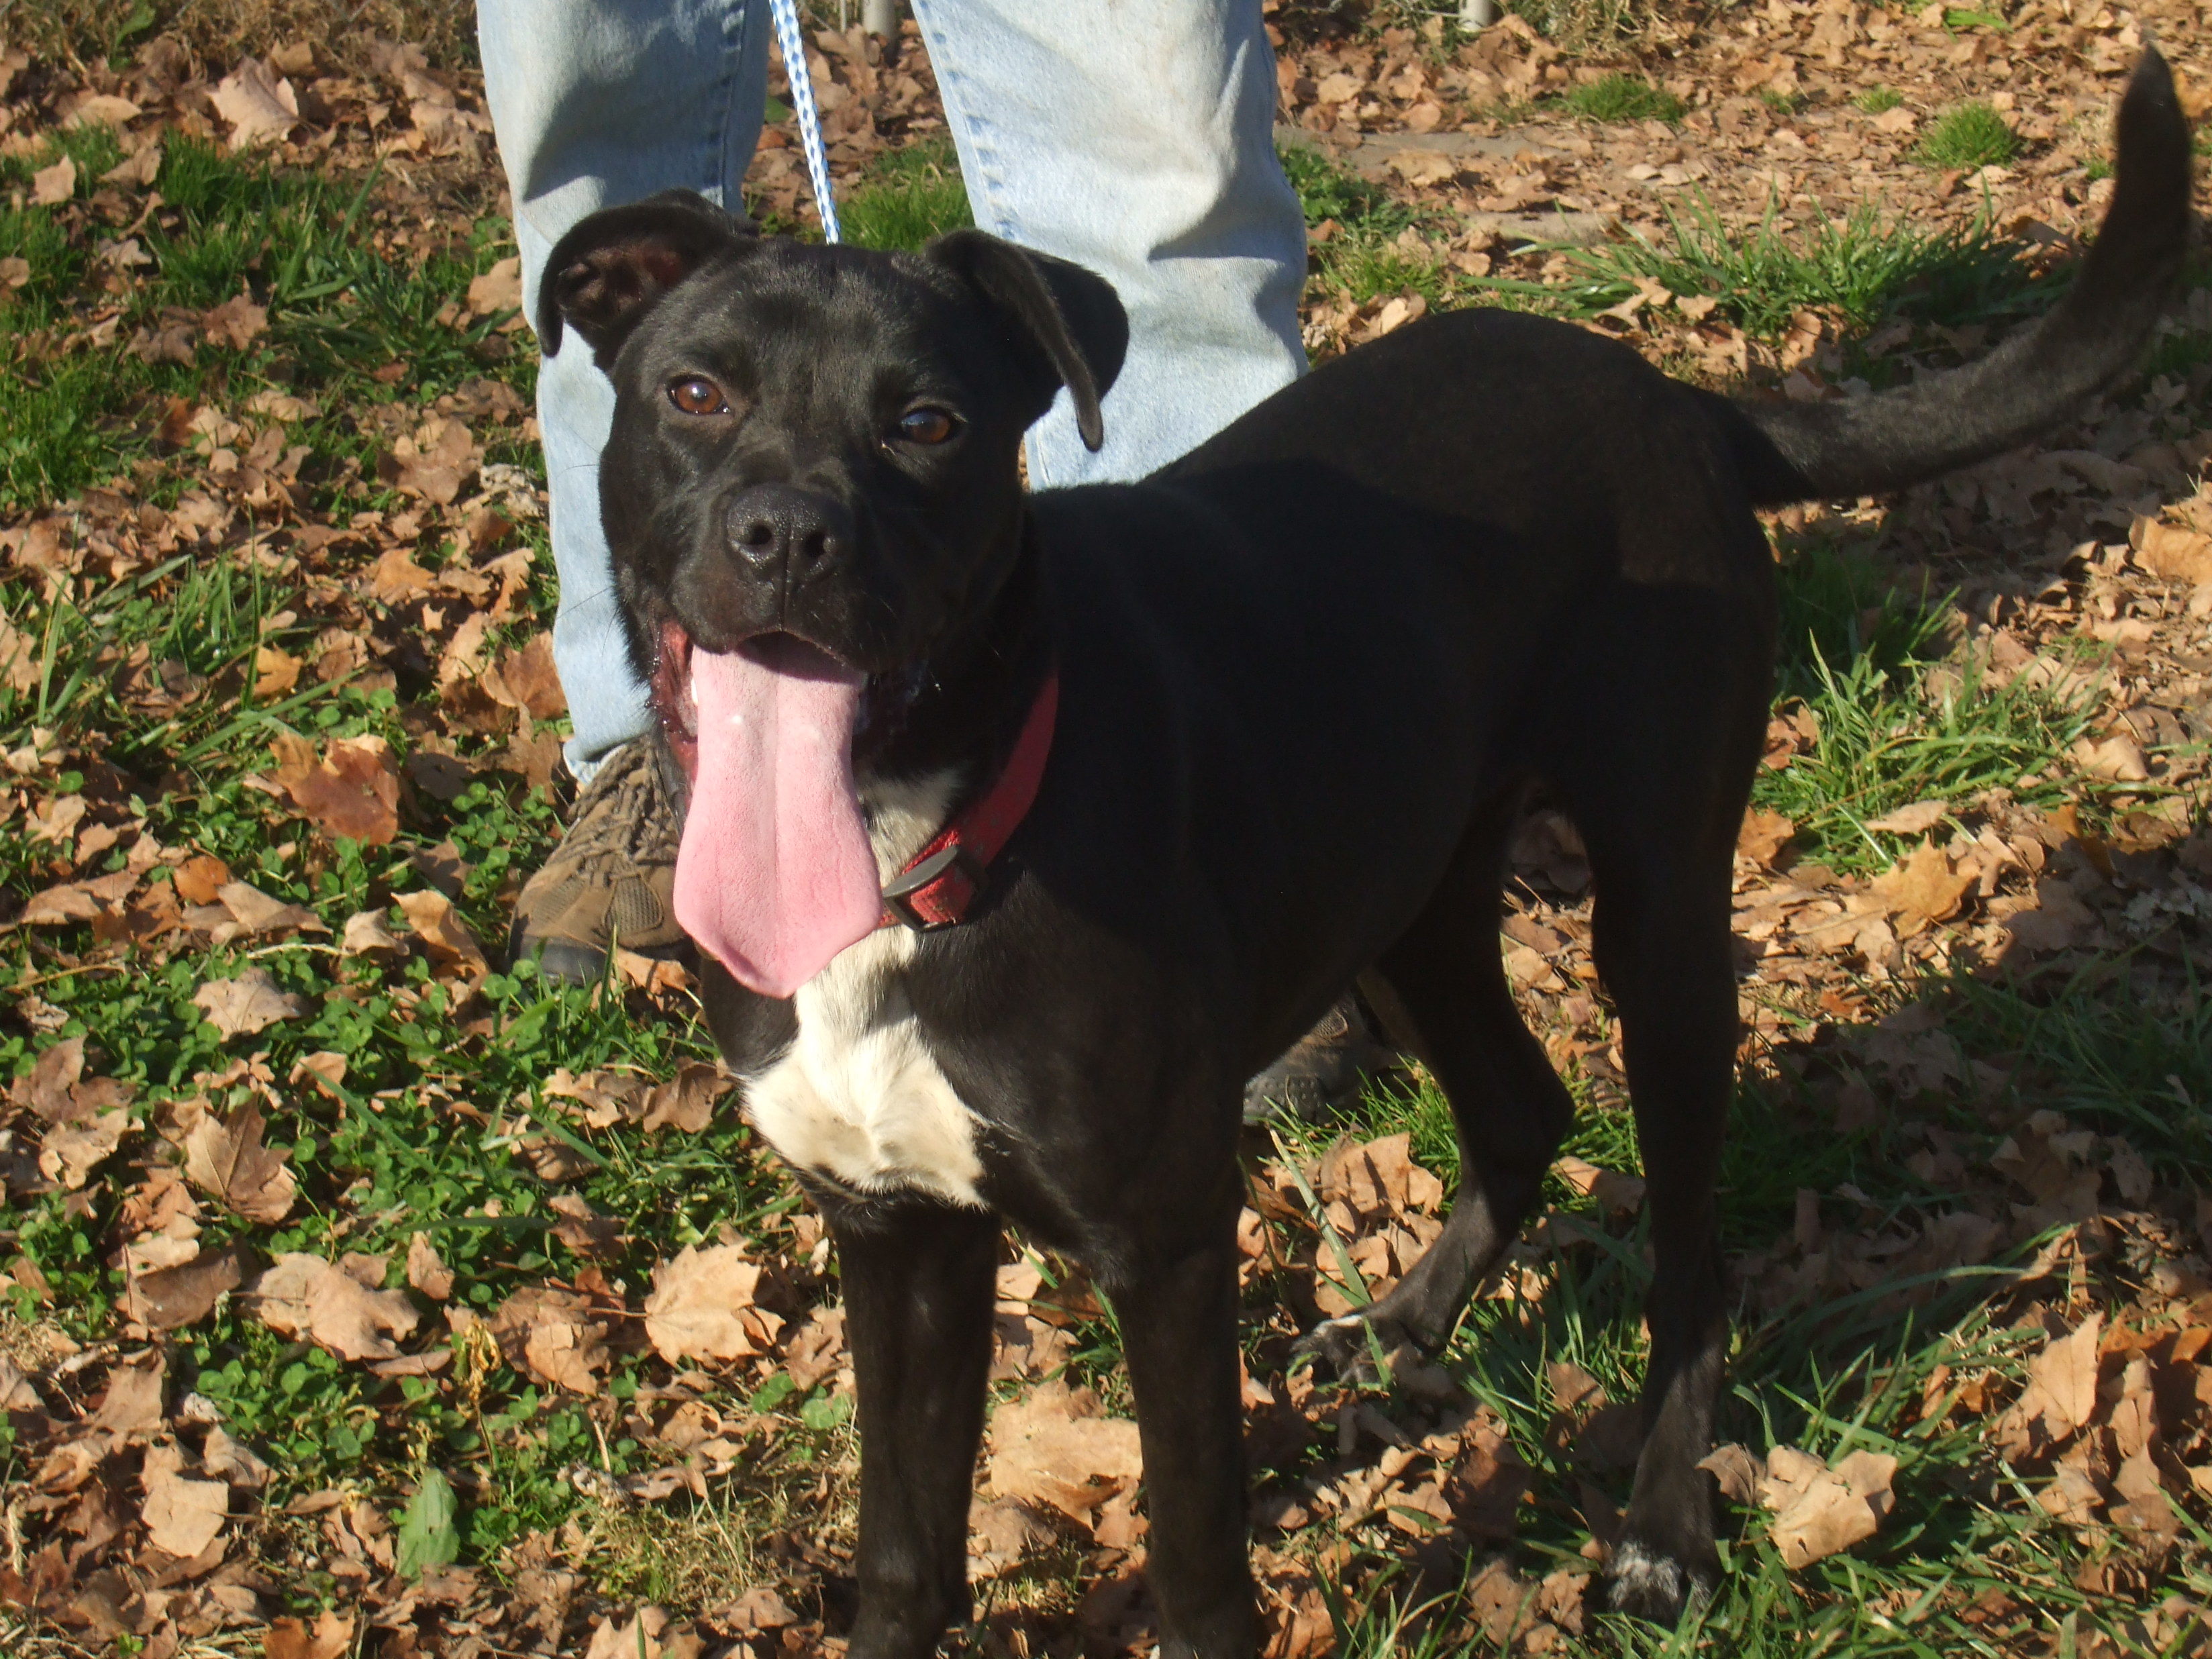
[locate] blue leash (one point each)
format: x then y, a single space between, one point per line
792 45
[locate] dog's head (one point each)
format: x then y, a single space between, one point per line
811 490
814 441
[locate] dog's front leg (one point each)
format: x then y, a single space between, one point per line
1178 1317
918 1281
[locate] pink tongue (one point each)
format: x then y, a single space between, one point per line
775 875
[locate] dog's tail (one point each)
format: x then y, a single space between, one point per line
1792 452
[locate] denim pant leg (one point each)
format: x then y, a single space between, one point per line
596 103
1136 137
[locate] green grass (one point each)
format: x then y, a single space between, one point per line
97 31
1858 654
1624 98
393 1142
2114 1051
2179 354
1877 101
337 306
1868 268
1972 135
440 1095
1328 190
910 195
1843 1375
1364 258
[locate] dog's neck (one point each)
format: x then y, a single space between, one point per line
969 698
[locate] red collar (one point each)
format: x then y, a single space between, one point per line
939 883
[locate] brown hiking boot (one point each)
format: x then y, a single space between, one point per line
611 880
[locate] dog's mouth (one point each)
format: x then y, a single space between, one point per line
674 703
775 875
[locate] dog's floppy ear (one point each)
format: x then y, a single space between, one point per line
1070 315
607 272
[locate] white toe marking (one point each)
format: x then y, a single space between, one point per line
1640 1572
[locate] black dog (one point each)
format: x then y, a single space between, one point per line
1212 747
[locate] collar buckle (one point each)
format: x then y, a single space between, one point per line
907 892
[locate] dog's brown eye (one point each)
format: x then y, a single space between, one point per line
927 426
697 396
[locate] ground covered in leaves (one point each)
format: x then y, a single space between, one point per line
361 1297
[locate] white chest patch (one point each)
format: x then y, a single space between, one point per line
858 1097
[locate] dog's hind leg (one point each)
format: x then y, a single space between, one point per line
1443 992
918 1279
1662 864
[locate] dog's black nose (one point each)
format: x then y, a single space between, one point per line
779 525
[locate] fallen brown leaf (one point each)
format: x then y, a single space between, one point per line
229 1161
453 948
1378 1177
759 1609
2057 921
246 1005
308 1297
50 1089
183 1516
2072 1497
686 1101
1486 1485
1763 834
1738 1472
237 323
19 657
550 1332
51 186
1914 820
2148 1510
433 463
200 878
170 1298
427 1270
366 935
71 1151
260 108
2118 758
1056 1446
526 679
1621 1193
583 1229
252 911
701 1306
289 1638
638 1638
275 673
1924 884
2169 551
499 289
1820 1511
352 791
2061 1396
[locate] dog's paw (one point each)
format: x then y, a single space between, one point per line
1646 1583
1369 1349
1349 1348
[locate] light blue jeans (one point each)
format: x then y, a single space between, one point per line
1133 137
